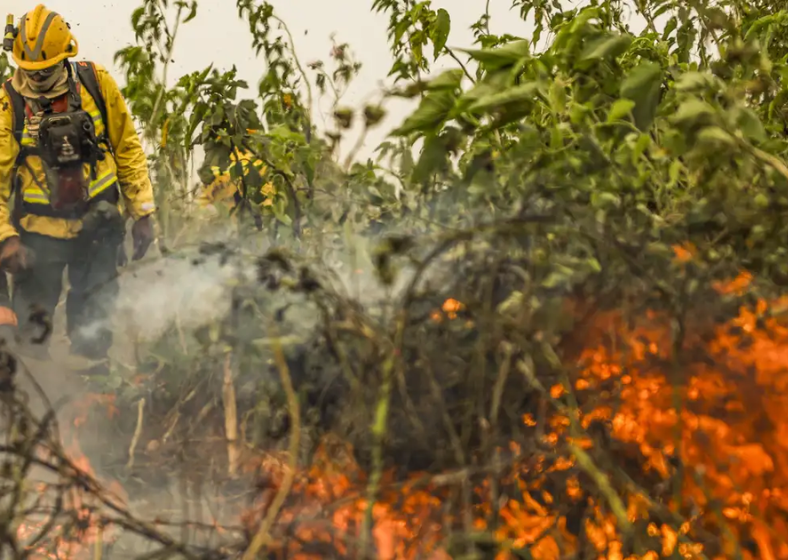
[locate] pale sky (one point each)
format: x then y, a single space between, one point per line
217 35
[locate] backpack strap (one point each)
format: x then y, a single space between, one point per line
18 109
86 72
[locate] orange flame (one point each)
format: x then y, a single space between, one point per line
721 418
709 424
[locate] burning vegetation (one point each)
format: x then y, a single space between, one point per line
556 330
629 438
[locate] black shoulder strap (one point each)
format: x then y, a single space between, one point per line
86 71
18 109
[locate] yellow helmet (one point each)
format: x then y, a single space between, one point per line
43 40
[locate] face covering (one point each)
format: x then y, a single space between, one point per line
42 83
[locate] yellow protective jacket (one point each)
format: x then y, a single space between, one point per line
223 188
127 171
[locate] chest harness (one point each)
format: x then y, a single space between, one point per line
63 135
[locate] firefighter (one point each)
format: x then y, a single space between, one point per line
71 160
224 190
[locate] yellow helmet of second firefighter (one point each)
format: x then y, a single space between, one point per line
44 39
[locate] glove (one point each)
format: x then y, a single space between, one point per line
142 235
13 255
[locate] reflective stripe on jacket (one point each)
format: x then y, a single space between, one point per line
127 171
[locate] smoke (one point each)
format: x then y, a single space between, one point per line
191 289
171 289
188 288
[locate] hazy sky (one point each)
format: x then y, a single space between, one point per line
217 35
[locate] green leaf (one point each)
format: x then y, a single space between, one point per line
432 158
192 13
509 114
284 134
593 265
136 16
749 123
522 95
685 40
605 200
278 208
253 180
674 172
605 48
450 79
597 159
560 276
410 91
373 114
432 111
493 83
694 81
640 146
670 26
620 109
692 111
499 57
557 97
642 86
714 136
765 22
555 279
439 31
511 303
578 113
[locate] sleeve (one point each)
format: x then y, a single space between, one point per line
9 149
135 183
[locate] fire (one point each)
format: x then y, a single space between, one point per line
698 442
712 429
728 432
81 533
449 309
